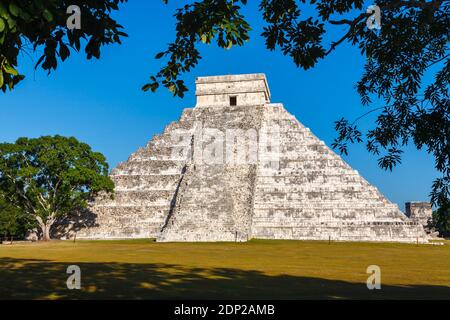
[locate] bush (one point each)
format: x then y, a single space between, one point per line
441 220
14 222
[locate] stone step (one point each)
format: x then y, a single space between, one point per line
390 232
294 217
146 211
145 182
160 167
266 170
313 179
137 197
115 232
148 152
317 185
310 187
178 125
318 204
336 196
310 177
200 237
162 152
307 157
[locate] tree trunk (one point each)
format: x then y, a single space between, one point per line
46 231
45 227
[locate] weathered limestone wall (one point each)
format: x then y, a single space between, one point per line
249 89
421 212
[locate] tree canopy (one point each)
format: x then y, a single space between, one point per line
50 176
30 25
441 221
14 222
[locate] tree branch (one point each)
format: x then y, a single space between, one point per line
365 114
27 202
43 202
392 5
439 60
352 24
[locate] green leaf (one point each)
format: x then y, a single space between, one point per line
2 25
10 70
47 15
3 11
14 9
1 78
11 22
150 86
63 51
147 87
25 16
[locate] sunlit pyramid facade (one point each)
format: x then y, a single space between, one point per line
237 167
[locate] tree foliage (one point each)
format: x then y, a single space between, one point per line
27 26
441 221
48 177
200 22
14 222
413 40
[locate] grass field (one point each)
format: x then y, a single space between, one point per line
142 269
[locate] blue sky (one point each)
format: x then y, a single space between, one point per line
100 101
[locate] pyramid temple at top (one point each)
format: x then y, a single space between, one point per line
236 167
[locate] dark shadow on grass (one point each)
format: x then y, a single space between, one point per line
41 279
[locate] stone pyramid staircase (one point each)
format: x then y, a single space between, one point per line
215 200
223 217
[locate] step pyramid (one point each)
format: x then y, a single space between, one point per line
237 167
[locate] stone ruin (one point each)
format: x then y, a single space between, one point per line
237 167
419 211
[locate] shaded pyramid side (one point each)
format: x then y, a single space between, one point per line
315 195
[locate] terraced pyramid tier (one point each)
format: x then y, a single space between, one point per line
237 167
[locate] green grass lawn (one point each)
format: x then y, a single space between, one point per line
142 269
